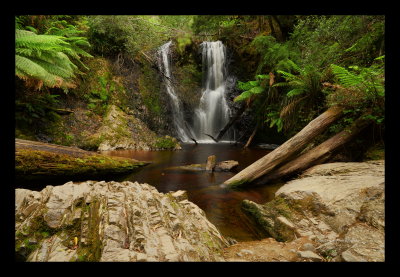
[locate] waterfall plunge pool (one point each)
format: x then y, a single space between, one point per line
221 205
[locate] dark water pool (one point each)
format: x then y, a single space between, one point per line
221 205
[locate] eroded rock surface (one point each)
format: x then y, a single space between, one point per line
111 221
339 206
123 131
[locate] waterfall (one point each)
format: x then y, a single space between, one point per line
178 120
213 111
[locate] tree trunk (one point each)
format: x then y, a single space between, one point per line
317 155
231 121
252 135
287 150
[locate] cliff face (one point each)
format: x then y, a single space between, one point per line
110 221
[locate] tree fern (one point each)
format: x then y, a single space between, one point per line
46 59
303 88
252 88
346 78
360 85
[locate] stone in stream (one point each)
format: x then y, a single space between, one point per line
211 162
219 166
112 221
226 165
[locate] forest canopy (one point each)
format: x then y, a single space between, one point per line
290 67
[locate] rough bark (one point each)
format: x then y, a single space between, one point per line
287 150
317 155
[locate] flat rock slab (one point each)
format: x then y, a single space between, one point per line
340 206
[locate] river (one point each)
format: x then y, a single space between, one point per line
221 205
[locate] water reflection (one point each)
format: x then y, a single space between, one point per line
221 204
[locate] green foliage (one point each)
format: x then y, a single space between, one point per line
166 142
338 39
99 97
274 55
252 88
274 119
45 59
37 109
111 35
208 24
308 81
360 89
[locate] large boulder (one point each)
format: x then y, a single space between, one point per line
111 221
339 206
120 130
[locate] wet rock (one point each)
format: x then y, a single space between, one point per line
267 146
226 165
113 221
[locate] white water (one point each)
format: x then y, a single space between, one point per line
178 120
213 111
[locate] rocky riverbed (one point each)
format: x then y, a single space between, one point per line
337 209
333 212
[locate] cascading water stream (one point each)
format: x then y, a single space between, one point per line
178 120
213 112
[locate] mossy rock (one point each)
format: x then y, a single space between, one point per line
267 217
166 143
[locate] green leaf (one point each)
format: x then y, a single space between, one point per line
295 92
257 90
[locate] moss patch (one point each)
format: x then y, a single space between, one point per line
166 142
376 152
30 162
265 216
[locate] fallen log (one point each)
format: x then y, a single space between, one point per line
318 154
287 150
43 161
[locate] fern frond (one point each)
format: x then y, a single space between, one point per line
26 68
47 58
295 92
346 78
243 96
